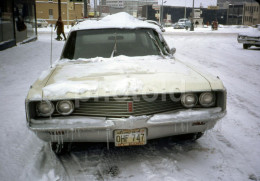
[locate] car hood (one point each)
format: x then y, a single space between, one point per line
120 76
255 33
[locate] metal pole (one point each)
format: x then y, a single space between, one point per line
146 8
95 8
59 8
85 8
192 18
100 7
51 48
68 13
185 10
162 13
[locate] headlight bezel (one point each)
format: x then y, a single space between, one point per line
184 101
41 113
65 101
210 103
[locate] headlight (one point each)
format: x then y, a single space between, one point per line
189 100
65 107
207 99
45 108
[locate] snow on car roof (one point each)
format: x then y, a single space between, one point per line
118 20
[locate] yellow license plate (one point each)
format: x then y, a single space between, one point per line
130 137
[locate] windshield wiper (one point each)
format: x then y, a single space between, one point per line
156 43
115 48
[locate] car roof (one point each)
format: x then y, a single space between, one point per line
119 20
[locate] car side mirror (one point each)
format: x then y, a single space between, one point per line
173 51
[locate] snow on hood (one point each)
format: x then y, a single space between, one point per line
118 20
120 76
253 33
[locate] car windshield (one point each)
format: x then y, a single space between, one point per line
112 42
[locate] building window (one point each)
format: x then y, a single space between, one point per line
50 13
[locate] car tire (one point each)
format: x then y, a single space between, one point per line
189 137
246 46
60 149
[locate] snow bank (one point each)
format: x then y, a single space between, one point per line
222 29
119 20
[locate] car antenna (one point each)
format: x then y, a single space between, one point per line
51 48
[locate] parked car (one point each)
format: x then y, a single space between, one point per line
250 38
118 81
182 23
42 23
157 24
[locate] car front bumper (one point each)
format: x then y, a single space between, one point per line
101 129
249 40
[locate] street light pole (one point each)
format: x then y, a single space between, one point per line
185 10
161 14
95 8
85 8
59 8
192 18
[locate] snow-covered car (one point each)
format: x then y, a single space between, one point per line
156 23
41 23
182 23
118 81
250 38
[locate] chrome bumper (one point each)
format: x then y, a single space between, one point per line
101 129
249 41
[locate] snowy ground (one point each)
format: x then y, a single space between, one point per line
228 152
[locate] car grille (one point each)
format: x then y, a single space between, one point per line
127 106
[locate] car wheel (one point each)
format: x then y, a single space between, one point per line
189 137
60 149
246 46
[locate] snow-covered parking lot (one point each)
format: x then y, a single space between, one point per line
228 152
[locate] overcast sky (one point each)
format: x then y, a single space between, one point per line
197 3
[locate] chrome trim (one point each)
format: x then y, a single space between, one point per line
115 108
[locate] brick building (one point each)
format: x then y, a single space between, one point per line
71 10
251 13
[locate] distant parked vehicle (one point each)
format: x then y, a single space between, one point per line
168 24
41 23
250 39
182 23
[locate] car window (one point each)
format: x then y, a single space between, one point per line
101 43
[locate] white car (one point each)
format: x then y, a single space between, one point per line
42 23
182 23
250 39
118 81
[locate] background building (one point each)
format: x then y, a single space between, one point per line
71 10
17 22
241 12
235 14
251 13
133 7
